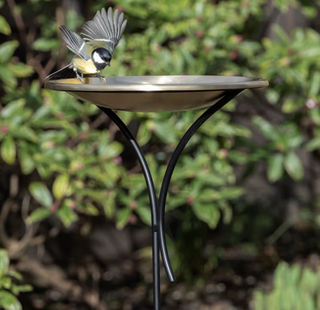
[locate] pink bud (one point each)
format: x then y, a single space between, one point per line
4 129
133 205
311 103
60 115
133 219
54 207
190 200
199 33
117 160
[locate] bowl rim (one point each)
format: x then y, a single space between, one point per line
152 83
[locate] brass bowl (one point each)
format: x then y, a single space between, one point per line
168 93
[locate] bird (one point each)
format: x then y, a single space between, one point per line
94 47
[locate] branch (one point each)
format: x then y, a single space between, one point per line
18 20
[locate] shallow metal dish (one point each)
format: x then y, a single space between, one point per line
166 93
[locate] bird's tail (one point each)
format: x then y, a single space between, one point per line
64 73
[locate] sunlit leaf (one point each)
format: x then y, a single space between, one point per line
45 45
13 108
7 49
38 215
7 77
6 282
41 194
144 133
66 215
293 166
23 288
108 203
275 167
15 274
60 186
314 85
4 263
8 150
9 301
26 161
21 70
4 26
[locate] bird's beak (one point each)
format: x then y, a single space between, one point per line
108 64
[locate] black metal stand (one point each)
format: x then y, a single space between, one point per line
158 210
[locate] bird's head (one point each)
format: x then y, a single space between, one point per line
101 58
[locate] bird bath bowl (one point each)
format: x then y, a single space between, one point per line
155 93
158 94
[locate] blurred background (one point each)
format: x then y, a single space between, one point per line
243 216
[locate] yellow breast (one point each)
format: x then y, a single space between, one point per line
85 66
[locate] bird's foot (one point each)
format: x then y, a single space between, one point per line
102 78
79 77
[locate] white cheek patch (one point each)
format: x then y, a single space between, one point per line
97 58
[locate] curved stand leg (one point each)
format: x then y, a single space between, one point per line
157 212
172 163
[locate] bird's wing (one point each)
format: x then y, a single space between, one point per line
64 73
104 27
74 42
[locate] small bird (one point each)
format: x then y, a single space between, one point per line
93 51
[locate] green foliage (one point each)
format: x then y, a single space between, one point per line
49 132
294 288
8 288
74 163
284 141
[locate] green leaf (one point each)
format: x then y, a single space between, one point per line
15 274
5 282
289 105
23 288
66 215
4 263
313 144
4 26
7 77
91 209
45 45
26 161
123 217
12 108
267 129
144 214
314 85
275 167
166 132
38 215
41 194
60 186
293 166
108 203
208 213
144 133
8 150
109 149
7 49
9 301
231 192
21 70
